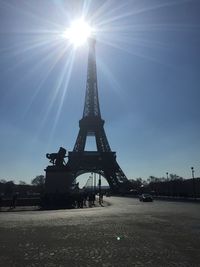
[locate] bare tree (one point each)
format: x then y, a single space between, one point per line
22 183
38 180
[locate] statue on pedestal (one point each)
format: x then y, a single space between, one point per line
58 159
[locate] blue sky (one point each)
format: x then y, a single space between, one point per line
148 65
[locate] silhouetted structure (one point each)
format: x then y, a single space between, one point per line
103 160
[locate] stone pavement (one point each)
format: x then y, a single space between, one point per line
126 233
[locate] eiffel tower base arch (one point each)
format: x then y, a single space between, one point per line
103 163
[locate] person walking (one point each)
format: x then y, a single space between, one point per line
1 201
101 198
93 198
14 201
90 200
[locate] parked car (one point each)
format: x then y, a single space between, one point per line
146 198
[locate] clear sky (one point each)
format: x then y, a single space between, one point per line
148 61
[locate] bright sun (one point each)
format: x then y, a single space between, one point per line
78 32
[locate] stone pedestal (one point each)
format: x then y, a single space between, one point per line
58 180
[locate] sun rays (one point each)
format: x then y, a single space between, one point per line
123 26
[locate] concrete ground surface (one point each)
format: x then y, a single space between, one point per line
125 233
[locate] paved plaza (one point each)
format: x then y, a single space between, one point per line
125 233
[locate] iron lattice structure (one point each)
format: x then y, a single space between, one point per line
103 160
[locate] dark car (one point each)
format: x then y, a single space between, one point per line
146 198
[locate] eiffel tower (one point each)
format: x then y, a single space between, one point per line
102 161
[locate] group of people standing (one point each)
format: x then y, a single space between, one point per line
86 199
80 199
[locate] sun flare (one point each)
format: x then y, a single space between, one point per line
78 32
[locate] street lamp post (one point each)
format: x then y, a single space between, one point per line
95 182
100 194
99 184
193 183
168 185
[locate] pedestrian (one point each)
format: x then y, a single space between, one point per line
80 200
1 201
93 199
100 198
14 201
90 200
85 196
